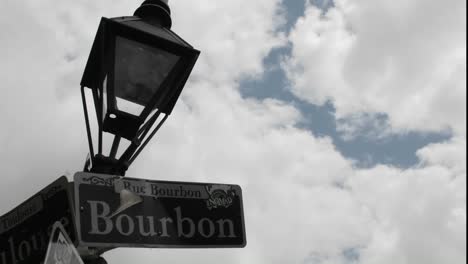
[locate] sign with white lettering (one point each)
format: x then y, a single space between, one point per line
61 249
25 231
113 211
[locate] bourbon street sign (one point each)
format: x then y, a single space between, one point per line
25 231
126 212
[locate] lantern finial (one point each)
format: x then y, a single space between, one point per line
155 11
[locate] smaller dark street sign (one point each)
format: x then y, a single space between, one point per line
25 231
61 249
114 211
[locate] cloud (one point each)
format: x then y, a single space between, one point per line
406 60
419 214
235 37
392 68
451 154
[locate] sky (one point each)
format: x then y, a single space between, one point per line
343 121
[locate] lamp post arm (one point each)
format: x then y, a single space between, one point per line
147 140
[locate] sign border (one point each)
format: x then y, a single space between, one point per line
111 245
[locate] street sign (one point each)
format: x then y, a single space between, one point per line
113 211
24 231
61 249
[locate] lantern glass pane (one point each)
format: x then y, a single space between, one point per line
139 72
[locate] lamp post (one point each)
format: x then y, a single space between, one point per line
135 73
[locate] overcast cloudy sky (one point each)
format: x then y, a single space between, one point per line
343 121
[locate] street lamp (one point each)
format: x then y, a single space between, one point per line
136 71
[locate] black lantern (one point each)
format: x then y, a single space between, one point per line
136 71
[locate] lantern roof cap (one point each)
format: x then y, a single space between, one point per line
156 12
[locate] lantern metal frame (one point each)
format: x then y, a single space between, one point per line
99 76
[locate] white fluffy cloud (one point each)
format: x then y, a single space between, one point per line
405 59
419 214
304 202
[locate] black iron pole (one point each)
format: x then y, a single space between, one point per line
153 12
